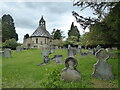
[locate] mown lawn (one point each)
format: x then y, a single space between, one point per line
21 71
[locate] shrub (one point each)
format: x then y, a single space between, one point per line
11 43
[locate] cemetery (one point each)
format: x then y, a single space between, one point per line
85 54
22 70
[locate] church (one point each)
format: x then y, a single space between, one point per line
40 38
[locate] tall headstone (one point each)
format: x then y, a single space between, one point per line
79 49
102 69
7 53
69 46
58 59
71 52
70 73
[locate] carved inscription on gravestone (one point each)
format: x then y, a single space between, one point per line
102 69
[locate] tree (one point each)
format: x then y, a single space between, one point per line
8 29
11 43
57 34
72 40
104 29
74 31
99 9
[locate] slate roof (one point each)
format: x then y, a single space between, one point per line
41 32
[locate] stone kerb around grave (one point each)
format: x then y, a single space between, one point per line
102 69
70 73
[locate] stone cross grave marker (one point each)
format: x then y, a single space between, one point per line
102 69
70 73
7 53
44 53
58 59
18 49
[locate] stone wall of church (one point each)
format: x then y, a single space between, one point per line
37 42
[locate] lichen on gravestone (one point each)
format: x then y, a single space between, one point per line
70 73
102 69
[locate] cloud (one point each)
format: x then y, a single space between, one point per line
26 15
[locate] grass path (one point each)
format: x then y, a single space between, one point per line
21 71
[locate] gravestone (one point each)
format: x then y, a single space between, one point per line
52 50
46 59
58 59
45 53
69 46
18 49
70 73
79 49
71 52
89 51
94 50
102 69
98 47
74 51
83 54
7 53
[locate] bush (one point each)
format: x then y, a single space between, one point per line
11 43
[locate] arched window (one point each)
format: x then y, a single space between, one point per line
36 40
41 43
45 40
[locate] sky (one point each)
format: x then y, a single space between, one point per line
57 15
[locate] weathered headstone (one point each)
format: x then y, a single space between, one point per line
98 47
83 54
69 46
58 59
79 49
19 49
89 51
70 73
94 51
52 50
45 53
74 51
46 59
71 52
7 53
102 69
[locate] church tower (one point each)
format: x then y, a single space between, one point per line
42 22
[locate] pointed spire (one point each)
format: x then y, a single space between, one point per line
42 22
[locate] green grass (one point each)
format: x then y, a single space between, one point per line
21 71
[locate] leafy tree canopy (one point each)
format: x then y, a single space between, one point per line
74 31
8 28
57 34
